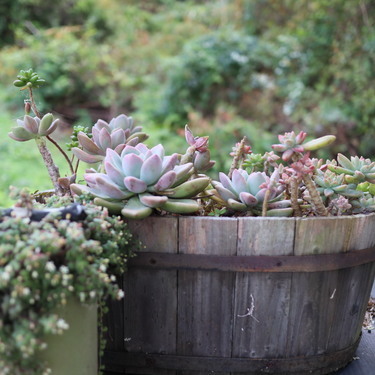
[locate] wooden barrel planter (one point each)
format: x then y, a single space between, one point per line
243 295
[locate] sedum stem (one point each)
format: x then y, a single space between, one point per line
33 105
316 199
237 157
294 182
52 169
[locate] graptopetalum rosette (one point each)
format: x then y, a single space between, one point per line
248 192
142 179
114 135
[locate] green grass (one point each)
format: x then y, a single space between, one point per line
22 165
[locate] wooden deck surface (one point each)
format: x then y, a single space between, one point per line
364 364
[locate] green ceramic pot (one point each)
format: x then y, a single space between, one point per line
76 351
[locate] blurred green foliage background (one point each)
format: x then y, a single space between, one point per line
227 67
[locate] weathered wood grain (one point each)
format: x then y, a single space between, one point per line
114 323
312 303
353 292
205 302
323 235
261 299
150 303
248 315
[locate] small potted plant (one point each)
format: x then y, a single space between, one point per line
272 263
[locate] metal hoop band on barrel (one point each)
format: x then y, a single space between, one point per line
254 263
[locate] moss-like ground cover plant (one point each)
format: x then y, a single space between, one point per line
129 178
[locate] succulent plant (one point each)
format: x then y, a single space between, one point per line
364 205
339 206
247 192
330 185
33 127
115 135
291 144
355 170
259 162
142 179
198 152
28 79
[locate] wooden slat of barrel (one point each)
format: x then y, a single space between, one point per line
313 294
262 299
115 325
354 287
150 303
205 299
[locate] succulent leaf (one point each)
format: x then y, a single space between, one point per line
280 212
114 173
152 201
20 134
45 123
181 206
189 188
165 181
114 208
86 157
31 124
318 143
134 209
132 164
135 185
248 199
237 206
151 169
88 145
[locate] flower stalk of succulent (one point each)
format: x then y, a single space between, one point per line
38 128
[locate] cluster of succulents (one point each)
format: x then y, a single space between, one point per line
331 185
134 180
140 180
120 131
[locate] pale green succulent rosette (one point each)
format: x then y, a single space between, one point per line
330 185
356 170
246 192
115 135
366 204
141 180
33 127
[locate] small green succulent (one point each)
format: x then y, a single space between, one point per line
74 142
28 79
365 204
356 170
330 185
